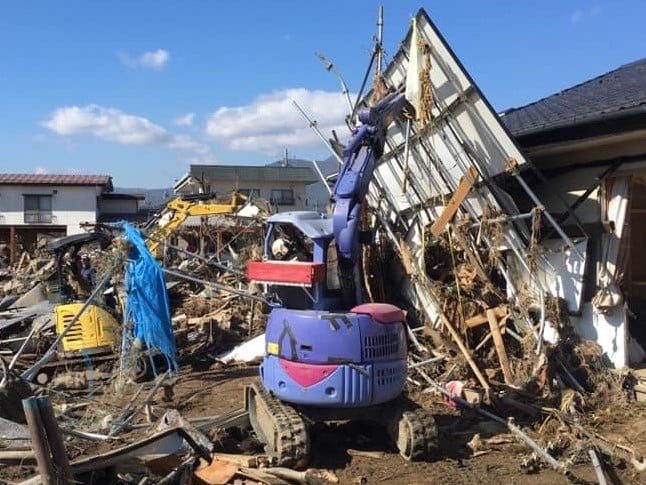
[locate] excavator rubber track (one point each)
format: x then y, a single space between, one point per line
417 436
279 427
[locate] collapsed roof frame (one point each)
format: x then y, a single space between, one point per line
465 136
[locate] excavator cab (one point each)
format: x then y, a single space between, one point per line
296 266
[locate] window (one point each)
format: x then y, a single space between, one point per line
38 209
251 193
282 196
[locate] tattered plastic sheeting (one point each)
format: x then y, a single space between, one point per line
410 192
250 351
614 208
147 305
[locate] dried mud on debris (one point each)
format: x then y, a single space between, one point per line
560 411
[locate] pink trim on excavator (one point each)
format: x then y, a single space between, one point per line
381 312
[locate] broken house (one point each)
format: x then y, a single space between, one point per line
589 142
47 204
283 186
538 230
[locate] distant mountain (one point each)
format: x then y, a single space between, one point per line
154 197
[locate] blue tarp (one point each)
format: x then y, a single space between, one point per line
147 305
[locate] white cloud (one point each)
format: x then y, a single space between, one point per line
579 15
576 16
207 159
107 123
271 121
185 119
41 170
114 125
149 60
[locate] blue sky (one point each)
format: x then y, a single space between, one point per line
139 90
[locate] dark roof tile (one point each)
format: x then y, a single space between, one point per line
606 95
54 179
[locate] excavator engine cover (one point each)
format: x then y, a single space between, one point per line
95 330
335 359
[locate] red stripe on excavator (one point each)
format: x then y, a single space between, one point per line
307 375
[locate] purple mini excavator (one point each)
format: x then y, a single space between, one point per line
329 355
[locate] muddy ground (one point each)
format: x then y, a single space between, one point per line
220 390
216 389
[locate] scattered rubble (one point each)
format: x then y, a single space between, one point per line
113 411
128 431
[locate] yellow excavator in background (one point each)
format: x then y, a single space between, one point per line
179 209
97 331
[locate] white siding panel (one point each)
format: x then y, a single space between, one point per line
71 205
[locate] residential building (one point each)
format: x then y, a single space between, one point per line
555 212
47 204
317 195
283 186
589 143
121 206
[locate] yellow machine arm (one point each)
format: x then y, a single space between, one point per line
180 210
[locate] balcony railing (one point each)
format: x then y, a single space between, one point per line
38 217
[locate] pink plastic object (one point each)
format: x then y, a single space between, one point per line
455 388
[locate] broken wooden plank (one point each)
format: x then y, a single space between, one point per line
500 346
466 183
249 461
366 454
500 311
262 476
39 441
218 472
467 355
55 440
22 456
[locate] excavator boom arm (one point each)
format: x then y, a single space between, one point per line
180 210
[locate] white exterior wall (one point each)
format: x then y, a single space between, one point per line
609 330
71 205
222 188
